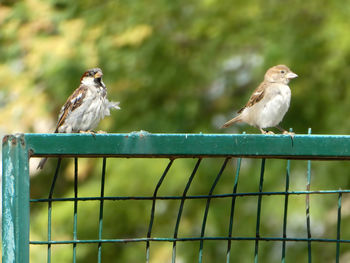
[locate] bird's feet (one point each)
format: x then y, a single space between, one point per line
289 133
87 132
285 132
266 132
93 133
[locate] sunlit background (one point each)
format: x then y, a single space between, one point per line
178 67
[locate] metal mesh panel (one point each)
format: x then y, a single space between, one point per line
204 237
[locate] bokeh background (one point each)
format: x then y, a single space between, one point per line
179 67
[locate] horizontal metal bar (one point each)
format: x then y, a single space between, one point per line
143 144
122 198
171 239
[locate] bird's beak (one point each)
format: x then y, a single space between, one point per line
291 75
98 75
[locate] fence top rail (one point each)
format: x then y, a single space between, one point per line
144 144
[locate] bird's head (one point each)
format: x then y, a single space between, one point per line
92 76
280 74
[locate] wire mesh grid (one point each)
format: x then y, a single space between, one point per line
231 243
202 238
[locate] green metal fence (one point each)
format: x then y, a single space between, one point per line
18 149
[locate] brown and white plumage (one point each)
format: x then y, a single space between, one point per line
85 108
269 102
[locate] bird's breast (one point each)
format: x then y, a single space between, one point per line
285 93
270 111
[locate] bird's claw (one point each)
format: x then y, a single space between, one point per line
291 134
93 133
267 132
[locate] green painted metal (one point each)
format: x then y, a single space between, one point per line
258 213
308 221
285 213
189 239
15 200
49 209
232 212
154 207
205 217
139 198
17 148
100 220
75 213
142 144
184 195
337 253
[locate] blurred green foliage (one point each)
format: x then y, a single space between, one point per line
179 66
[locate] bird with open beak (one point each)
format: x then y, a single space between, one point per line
86 107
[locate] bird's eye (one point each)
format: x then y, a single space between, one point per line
282 71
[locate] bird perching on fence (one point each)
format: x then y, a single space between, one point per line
269 102
86 107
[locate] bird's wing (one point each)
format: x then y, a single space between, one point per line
73 102
257 96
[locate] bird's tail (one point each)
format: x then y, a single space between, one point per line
43 160
232 121
42 163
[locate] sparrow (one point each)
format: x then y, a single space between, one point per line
85 108
269 102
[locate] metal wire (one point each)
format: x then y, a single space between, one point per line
49 213
338 228
207 209
285 213
262 170
308 228
100 221
190 179
141 198
235 186
154 206
189 239
75 213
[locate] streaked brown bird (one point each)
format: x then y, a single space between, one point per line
86 107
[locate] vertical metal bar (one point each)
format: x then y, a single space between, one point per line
15 199
75 216
308 228
207 209
181 207
259 211
49 211
100 224
338 228
285 213
235 185
154 206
